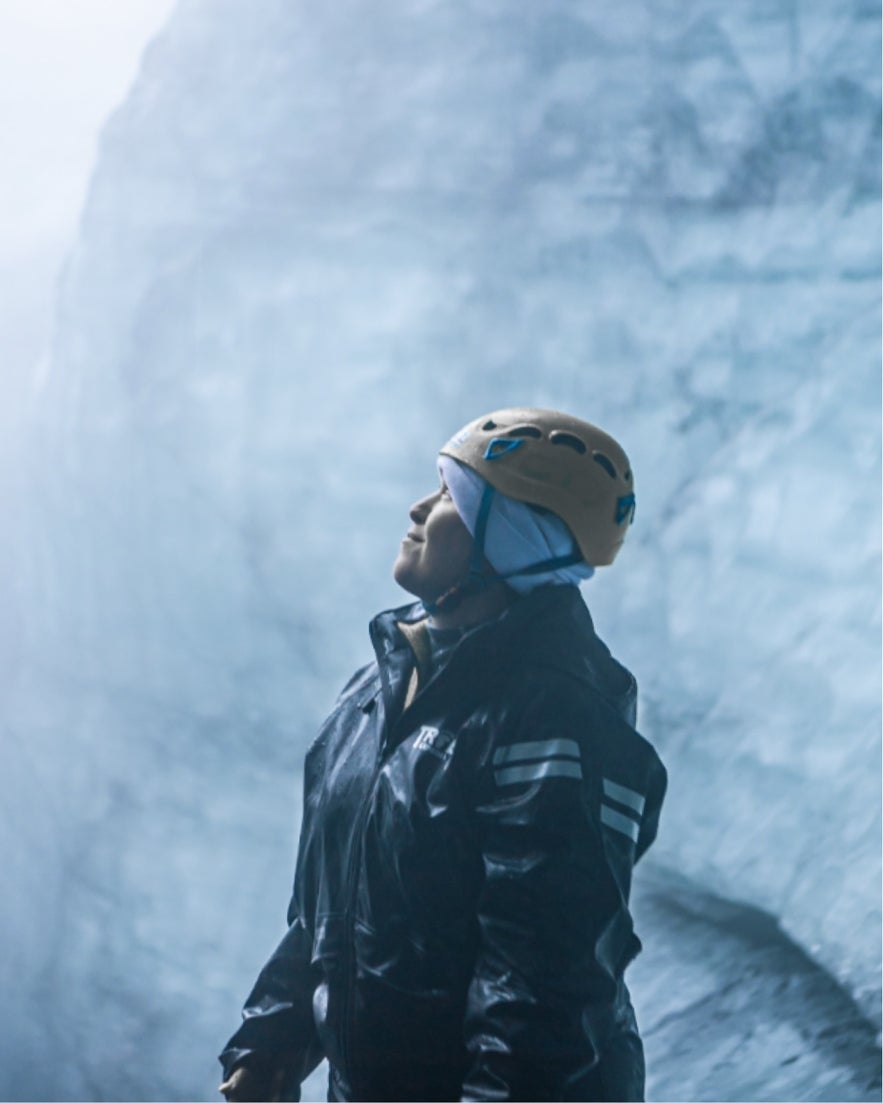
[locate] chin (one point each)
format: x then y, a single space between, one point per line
412 583
405 577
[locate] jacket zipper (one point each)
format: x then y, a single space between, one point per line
347 1017
349 949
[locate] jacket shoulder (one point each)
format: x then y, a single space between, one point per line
363 678
621 766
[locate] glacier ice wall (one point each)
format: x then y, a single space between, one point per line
316 241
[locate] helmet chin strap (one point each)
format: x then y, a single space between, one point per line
480 577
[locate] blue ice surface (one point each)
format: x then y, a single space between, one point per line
315 244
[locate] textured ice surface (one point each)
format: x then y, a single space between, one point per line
316 242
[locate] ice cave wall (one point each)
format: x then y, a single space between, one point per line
317 240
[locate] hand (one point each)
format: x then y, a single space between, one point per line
244 1085
240 1085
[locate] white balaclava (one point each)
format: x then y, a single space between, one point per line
517 535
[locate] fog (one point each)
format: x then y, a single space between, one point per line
314 244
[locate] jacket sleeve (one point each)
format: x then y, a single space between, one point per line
546 998
278 1032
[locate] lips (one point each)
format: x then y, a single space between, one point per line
413 536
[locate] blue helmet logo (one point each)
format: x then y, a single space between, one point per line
500 446
625 508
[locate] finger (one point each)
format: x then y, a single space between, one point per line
230 1084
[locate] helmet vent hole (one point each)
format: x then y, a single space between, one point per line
488 425
627 476
604 461
524 431
568 440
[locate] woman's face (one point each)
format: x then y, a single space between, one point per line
436 552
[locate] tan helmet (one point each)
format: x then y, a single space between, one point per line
557 462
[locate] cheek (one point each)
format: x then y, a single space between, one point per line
462 546
449 542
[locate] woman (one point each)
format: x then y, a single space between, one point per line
473 807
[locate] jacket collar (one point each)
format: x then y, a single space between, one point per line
549 627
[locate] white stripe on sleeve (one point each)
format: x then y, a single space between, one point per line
623 795
541 748
619 822
536 771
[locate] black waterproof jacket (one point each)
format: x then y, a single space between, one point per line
459 925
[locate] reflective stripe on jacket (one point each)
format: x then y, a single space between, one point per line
459 926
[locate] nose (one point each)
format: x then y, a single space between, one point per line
419 511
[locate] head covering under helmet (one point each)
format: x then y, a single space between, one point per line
517 535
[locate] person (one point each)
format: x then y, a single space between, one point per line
473 807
